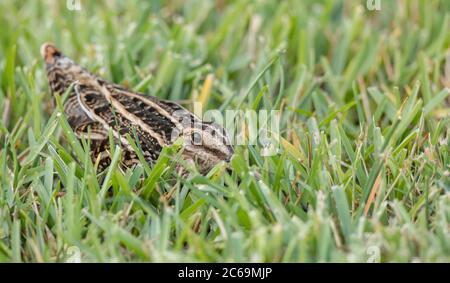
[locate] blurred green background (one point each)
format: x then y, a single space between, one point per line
364 97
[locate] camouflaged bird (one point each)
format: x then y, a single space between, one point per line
95 106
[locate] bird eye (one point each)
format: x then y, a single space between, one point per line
196 138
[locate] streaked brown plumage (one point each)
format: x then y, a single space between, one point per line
101 106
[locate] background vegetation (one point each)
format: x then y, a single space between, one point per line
364 97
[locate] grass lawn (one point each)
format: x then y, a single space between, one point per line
362 172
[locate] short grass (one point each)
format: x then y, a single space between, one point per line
364 102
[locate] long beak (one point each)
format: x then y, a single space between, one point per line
49 52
